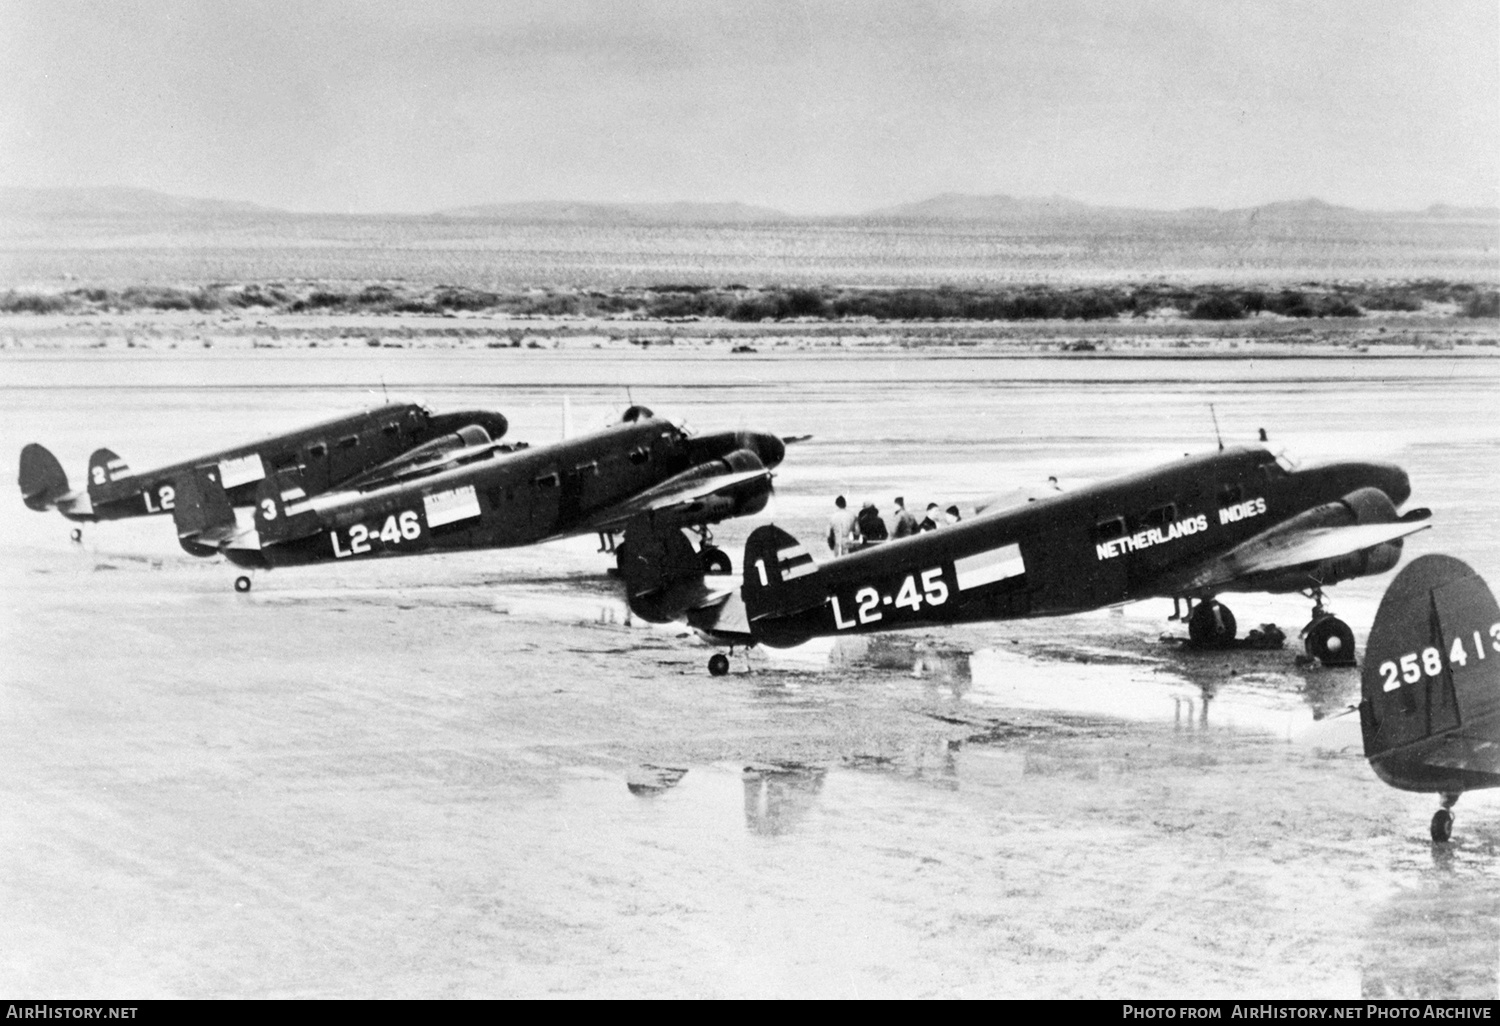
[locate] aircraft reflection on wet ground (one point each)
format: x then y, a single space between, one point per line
1434 937
1188 689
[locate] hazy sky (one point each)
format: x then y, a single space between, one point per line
828 107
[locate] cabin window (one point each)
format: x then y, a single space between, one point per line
348 442
546 480
1231 495
282 460
1161 516
317 451
588 469
640 455
1114 527
392 428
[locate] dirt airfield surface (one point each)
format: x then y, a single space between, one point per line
475 776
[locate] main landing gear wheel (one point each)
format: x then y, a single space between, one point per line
242 584
1330 641
1211 623
1442 826
715 560
718 664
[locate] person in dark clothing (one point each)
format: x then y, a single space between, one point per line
905 523
930 522
871 526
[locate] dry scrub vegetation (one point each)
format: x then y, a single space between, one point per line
774 303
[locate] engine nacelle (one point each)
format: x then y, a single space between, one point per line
768 449
1362 506
740 499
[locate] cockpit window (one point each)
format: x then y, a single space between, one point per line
1287 462
640 454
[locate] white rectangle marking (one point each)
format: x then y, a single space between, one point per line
989 567
451 506
241 471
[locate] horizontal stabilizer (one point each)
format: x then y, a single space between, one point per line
663 575
1432 669
43 480
202 512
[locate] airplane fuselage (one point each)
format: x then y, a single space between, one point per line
516 496
1119 541
327 453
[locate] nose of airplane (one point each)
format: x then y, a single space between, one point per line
770 448
1394 482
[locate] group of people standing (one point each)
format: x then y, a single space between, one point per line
848 530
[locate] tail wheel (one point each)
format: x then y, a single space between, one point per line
715 561
1330 641
1211 623
242 584
1442 826
76 534
718 664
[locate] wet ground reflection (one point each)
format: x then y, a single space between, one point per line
1248 691
777 797
1439 936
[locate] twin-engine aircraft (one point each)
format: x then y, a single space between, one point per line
1431 705
1234 520
327 455
493 495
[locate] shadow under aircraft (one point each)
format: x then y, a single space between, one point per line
1239 519
1430 712
327 454
494 495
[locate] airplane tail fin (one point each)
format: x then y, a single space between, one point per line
202 512
1433 658
658 565
43 480
781 576
105 468
272 520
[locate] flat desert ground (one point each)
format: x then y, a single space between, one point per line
476 776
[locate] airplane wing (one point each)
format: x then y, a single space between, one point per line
696 501
1284 550
426 461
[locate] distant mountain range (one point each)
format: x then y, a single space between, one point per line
115 200
947 207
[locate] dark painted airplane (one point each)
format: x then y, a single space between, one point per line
1431 705
1234 520
496 495
326 454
